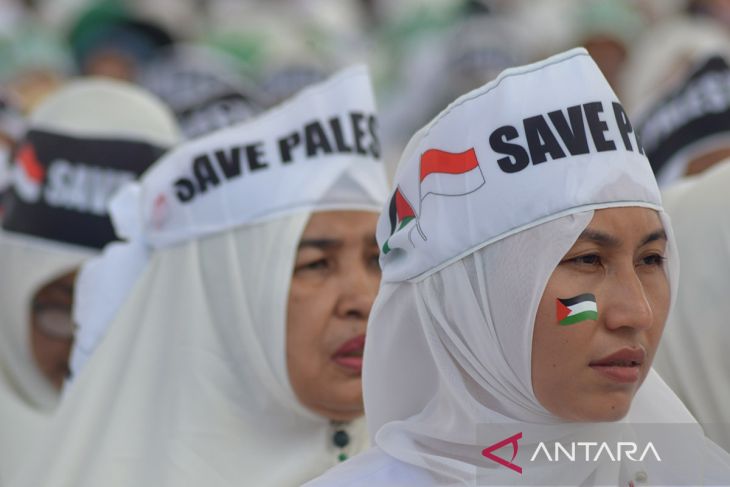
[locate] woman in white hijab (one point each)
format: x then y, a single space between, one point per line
697 331
68 164
234 357
528 269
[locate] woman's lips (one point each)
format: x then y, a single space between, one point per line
349 355
623 366
623 374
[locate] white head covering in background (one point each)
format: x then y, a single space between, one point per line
11 128
662 56
689 122
696 331
189 385
489 197
202 86
80 136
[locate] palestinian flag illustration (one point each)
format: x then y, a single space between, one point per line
28 174
449 174
400 212
574 310
441 173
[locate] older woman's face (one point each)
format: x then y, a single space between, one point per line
590 370
336 277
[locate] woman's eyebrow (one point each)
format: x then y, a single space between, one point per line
599 237
606 240
320 243
654 236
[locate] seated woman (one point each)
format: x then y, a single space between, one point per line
528 269
235 355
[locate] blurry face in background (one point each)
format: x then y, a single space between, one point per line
706 160
52 328
335 280
609 55
590 370
111 63
718 10
31 87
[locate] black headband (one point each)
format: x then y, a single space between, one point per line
61 185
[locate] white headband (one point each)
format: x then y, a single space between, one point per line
283 161
318 151
527 132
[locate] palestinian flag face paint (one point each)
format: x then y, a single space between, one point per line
576 309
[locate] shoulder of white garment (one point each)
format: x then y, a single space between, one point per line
373 468
715 466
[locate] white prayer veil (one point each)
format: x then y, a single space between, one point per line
27 398
464 357
32 250
188 384
696 331
469 245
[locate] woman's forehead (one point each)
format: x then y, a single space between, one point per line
341 225
612 225
648 216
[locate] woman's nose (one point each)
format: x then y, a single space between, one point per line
625 303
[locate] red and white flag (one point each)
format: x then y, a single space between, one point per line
28 174
449 174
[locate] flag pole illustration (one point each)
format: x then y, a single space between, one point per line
576 309
400 212
440 173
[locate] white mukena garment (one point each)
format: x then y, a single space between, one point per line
489 197
696 332
188 385
40 241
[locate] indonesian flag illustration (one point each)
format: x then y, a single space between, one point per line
441 173
28 174
448 174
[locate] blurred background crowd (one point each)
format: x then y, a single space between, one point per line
216 62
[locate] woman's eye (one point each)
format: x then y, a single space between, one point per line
653 260
590 259
316 265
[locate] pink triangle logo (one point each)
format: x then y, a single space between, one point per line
487 452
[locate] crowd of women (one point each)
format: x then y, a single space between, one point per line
364 243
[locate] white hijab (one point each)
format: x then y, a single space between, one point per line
27 263
696 330
468 347
462 279
26 397
459 341
189 383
